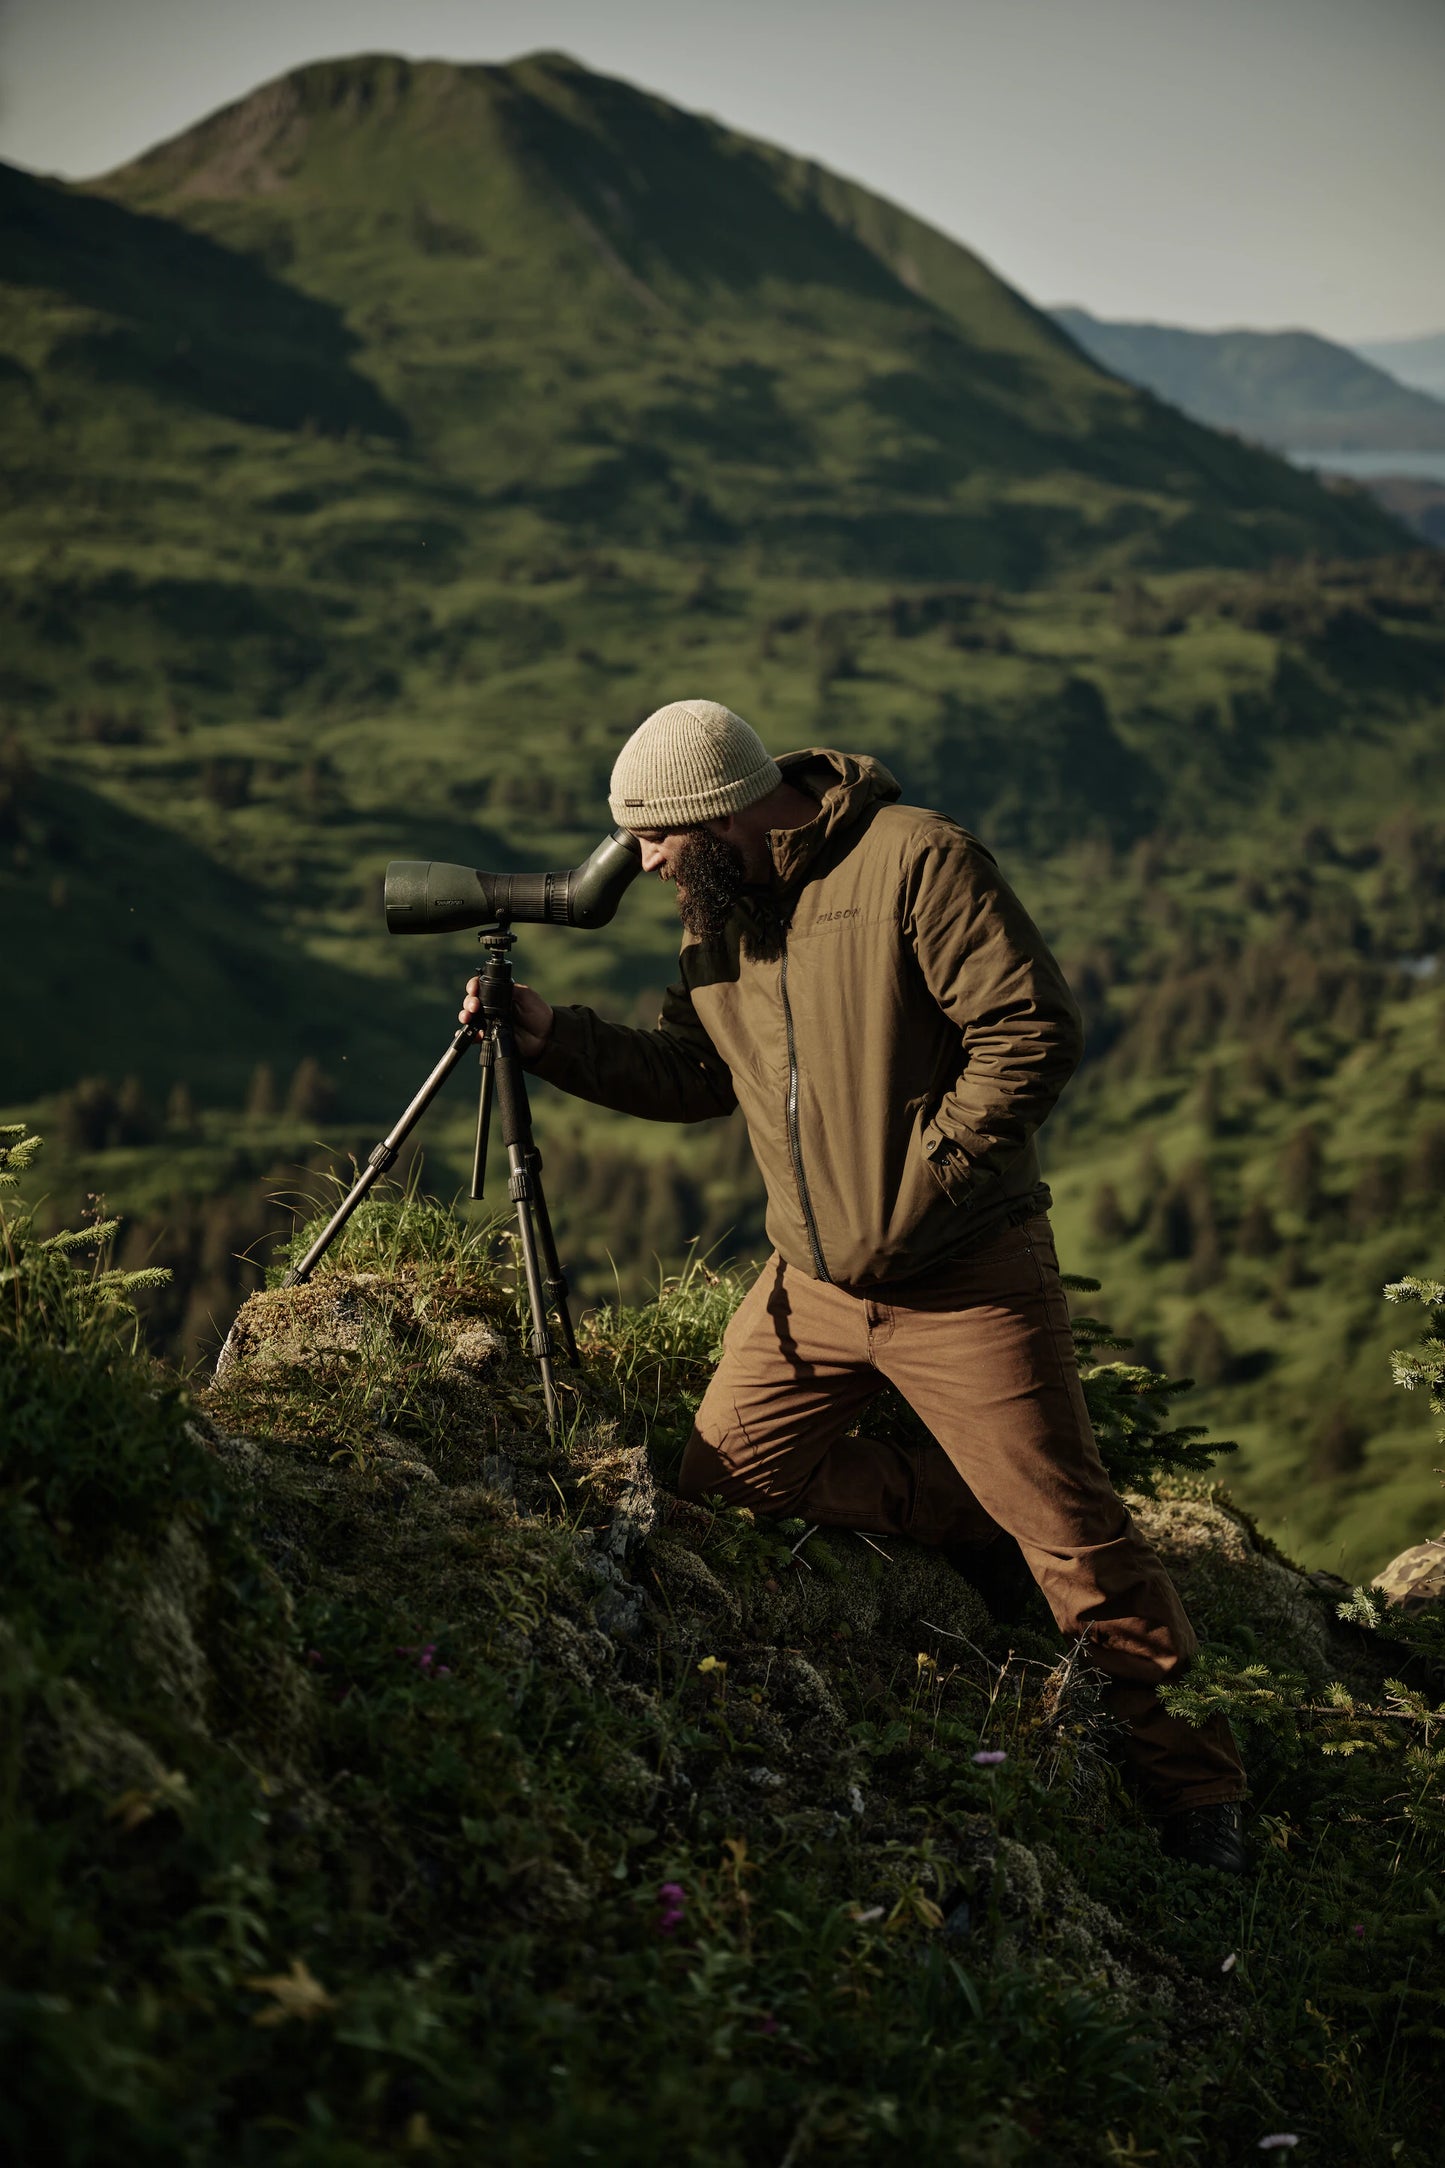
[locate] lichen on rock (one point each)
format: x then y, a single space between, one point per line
1235 1587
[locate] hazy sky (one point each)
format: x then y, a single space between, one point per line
1202 162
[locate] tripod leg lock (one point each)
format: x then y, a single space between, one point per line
519 1187
382 1157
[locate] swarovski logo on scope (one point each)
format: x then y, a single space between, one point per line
426 896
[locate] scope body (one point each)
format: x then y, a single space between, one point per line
427 896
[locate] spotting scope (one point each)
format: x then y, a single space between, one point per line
424 896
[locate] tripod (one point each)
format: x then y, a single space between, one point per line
502 1075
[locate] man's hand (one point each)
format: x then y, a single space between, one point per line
531 1016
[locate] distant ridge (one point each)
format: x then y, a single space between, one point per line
1290 389
1418 362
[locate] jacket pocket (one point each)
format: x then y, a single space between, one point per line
948 1164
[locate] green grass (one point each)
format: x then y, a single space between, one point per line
1152 931
370 1802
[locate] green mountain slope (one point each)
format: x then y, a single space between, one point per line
1292 389
1154 763
596 312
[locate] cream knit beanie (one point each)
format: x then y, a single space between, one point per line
691 761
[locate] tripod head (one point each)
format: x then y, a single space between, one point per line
427 896
495 983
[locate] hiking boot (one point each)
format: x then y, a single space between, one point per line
999 1573
1206 1837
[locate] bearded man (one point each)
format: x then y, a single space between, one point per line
859 978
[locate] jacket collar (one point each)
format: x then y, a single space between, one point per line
847 786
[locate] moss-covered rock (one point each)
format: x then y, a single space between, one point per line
1236 1587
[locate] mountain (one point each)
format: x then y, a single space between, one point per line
1419 362
540 291
1289 389
376 449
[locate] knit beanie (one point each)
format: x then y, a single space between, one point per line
691 761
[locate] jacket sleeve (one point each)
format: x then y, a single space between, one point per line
987 966
672 1074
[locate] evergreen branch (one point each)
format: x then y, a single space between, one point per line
81 1238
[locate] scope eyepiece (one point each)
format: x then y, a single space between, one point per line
427 896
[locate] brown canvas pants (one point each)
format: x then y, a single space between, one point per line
980 1348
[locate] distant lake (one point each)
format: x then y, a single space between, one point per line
1423 466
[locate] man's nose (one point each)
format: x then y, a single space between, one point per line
653 857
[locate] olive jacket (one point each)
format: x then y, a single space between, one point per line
893 1057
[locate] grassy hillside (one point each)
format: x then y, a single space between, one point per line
1152 761
410 1784
1194 706
1292 389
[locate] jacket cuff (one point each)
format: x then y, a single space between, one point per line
562 1059
952 1164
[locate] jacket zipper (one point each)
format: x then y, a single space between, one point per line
794 1137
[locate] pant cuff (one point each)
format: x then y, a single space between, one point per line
1221 1794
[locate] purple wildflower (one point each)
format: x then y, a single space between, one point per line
989 1757
767 2023
1357 1929
671 1906
424 1656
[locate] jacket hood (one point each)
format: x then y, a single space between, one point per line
848 786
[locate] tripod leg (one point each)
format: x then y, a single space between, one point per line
534 1225
382 1157
539 1249
556 1278
520 1190
484 1120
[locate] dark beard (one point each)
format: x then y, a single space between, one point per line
712 882
710 878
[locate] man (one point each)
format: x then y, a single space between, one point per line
858 977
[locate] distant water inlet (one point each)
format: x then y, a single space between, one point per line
1363 466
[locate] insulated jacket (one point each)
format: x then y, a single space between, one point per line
892 1063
